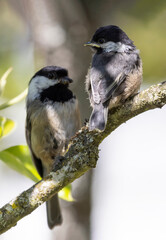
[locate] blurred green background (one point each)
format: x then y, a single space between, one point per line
33 33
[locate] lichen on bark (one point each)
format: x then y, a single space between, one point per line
81 156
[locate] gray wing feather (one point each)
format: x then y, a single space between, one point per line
107 73
36 160
54 216
104 86
106 92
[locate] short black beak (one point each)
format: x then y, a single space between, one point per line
91 44
68 79
65 80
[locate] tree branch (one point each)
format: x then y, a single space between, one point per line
81 156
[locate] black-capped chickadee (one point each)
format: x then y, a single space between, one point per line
114 75
53 117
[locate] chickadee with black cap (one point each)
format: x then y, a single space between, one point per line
53 117
115 73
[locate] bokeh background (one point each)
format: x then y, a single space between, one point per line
125 196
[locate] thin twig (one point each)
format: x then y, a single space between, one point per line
15 100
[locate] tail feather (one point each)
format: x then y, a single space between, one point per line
54 216
98 118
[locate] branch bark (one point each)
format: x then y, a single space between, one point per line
81 156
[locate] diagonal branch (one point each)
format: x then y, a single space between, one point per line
81 156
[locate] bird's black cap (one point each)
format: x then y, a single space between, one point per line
52 72
111 33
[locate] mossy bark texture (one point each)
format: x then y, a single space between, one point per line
81 156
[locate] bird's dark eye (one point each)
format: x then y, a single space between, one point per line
52 75
101 40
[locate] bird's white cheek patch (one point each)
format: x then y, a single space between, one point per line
114 47
37 85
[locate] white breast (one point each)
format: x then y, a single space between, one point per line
64 117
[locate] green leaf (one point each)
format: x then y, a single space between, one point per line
65 193
3 80
6 125
18 158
